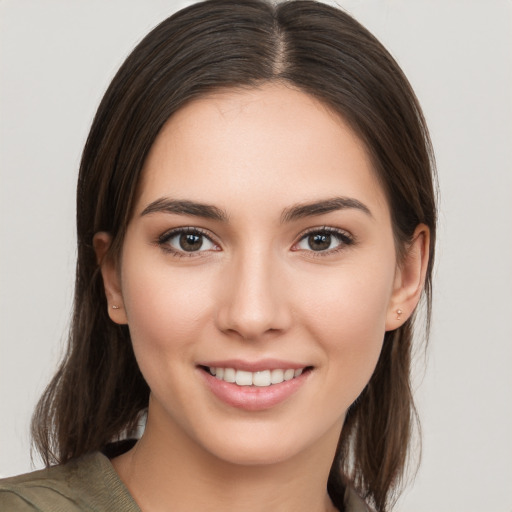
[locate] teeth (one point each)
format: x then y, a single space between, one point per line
261 379
243 378
229 375
276 376
288 374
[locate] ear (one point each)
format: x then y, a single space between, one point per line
111 278
409 279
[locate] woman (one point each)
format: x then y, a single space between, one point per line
256 226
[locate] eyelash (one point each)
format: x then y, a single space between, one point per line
344 239
163 241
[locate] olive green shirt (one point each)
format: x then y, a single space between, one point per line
89 483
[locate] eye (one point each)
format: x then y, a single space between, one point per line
324 240
186 240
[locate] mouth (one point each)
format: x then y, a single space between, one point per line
262 378
254 385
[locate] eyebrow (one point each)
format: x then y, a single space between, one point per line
182 207
300 211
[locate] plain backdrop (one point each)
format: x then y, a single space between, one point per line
56 59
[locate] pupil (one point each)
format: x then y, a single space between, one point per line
319 241
190 242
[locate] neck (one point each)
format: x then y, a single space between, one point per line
167 468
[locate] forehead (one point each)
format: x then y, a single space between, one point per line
274 144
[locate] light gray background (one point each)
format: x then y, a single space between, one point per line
56 59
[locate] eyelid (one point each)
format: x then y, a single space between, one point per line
163 239
346 239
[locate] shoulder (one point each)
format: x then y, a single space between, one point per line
87 483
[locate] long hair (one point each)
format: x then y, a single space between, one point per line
98 393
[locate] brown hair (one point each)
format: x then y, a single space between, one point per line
98 393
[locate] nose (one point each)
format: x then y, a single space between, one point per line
253 298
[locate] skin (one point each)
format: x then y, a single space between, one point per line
256 289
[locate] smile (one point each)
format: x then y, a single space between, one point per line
262 378
255 386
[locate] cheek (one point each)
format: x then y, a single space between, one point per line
165 308
347 316
350 300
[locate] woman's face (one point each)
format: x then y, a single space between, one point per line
260 246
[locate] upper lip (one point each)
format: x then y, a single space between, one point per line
254 366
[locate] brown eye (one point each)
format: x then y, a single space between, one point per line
324 240
190 242
319 241
186 240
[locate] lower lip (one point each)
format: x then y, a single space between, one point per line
253 398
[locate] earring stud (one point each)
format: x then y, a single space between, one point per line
398 313
115 307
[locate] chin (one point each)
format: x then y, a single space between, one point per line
255 454
260 446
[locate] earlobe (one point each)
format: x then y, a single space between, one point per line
409 279
111 278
